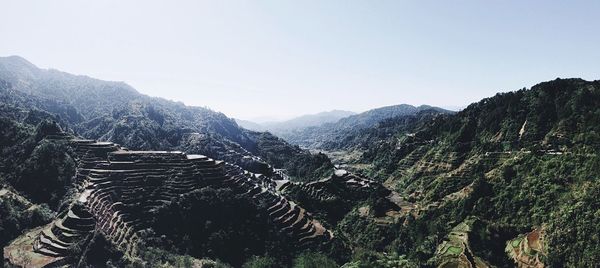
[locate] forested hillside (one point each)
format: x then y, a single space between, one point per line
35 175
512 178
327 135
113 111
365 138
37 182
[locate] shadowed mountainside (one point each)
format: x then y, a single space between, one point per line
113 111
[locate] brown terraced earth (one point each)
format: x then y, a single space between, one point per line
117 190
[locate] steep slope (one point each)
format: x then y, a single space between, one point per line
92 97
510 180
365 138
113 111
35 175
500 170
130 197
39 166
316 137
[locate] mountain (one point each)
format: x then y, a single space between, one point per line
114 111
315 137
46 119
362 139
91 97
250 125
281 127
510 179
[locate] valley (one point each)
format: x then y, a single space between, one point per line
95 174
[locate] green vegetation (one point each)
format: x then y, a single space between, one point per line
516 242
31 169
314 260
218 224
297 162
507 165
158 258
39 168
515 161
261 262
18 215
46 174
42 170
339 134
370 259
114 111
454 250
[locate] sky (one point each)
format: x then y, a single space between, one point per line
265 60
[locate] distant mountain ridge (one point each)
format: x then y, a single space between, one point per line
303 121
315 137
250 125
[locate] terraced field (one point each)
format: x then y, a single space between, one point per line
455 250
118 189
527 249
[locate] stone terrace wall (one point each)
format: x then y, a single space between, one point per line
119 188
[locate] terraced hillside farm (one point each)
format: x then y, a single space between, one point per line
300 134
118 192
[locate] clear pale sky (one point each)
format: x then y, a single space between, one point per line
250 59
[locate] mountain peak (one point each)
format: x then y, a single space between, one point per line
16 59
18 66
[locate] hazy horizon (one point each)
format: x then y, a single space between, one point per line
285 59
